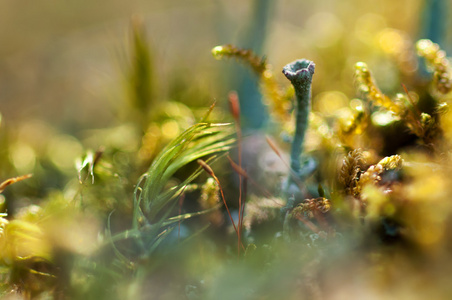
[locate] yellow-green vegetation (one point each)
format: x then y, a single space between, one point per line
347 199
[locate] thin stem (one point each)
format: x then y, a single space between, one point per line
209 171
235 109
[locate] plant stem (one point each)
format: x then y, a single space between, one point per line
300 74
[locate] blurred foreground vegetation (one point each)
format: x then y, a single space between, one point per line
157 191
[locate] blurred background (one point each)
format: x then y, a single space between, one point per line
110 83
60 61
